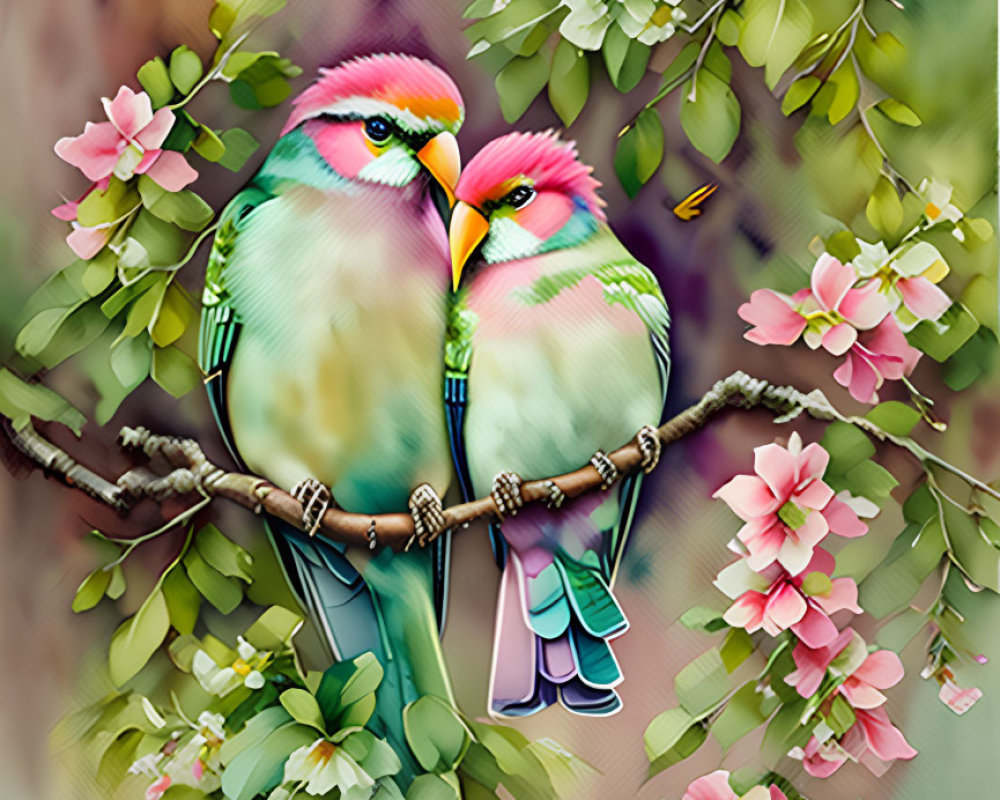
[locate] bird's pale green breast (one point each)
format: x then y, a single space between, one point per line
562 362
337 372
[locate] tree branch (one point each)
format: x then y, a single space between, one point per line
192 471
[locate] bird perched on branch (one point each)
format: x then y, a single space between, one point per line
323 323
557 348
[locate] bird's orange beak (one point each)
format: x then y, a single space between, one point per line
468 228
441 157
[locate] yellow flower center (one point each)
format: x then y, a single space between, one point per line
932 211
322 752
241 667
661 16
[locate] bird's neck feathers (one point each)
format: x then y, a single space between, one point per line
510 241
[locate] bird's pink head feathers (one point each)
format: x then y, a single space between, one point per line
415 92
540 160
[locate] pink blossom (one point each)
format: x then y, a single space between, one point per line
130 144
829 314
955 697
716 787
85 242
774 600
872 739
786 506
158 788
878 355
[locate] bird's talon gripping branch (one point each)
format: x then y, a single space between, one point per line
648 441
315 499
427 511
554 496
506 493
605 468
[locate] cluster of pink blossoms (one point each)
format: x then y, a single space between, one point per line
856 310
129 144
716 787
782 581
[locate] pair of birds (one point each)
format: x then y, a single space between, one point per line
346 347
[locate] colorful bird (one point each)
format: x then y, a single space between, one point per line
557 348
323 324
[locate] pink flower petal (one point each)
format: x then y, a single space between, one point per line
94 152
157 788
748 496
171 171
812 663
842 519
821 761
711 787
776 793
775 320
830 281
838 339
815 495
129 112
153 135
881 669
888 340
777 467
821 561
860 694
843 597
66 212
859 377
957 699
785 607
884 740
88 242
865 307
924 299
815 628
747 612
813 461
763 538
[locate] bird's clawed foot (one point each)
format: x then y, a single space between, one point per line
506 493
315 499
427 511
605 468
650 447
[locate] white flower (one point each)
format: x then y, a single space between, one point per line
938 197
586 23
323 766
148 765
244 671
646 21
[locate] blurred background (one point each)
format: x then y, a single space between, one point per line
59 56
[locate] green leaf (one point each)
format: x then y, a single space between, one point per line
640 151
183 133
702 683
742 714
799 93
841 716
117 586
137 638
519 83
569 81
435 733
899 112
894 417
100 273
155 79
163 241
941 338
260 768
183 601
172 318
274 629
870 480
847 445
677 71
710 115
144 309
240 145
978 556
303 708
223 554
222 592
845 98
665 730
185 69
914 555
130 360
256 730
208 145
349 683
774 32
784 730
92 589
702 618
728 29
99 207
625 58
689 741
184 208
431 787
19 401
884 209
174 371
736 648
718 63
843 246
972 360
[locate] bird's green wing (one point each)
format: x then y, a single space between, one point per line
220 323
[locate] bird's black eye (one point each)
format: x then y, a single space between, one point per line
377 129
520 197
